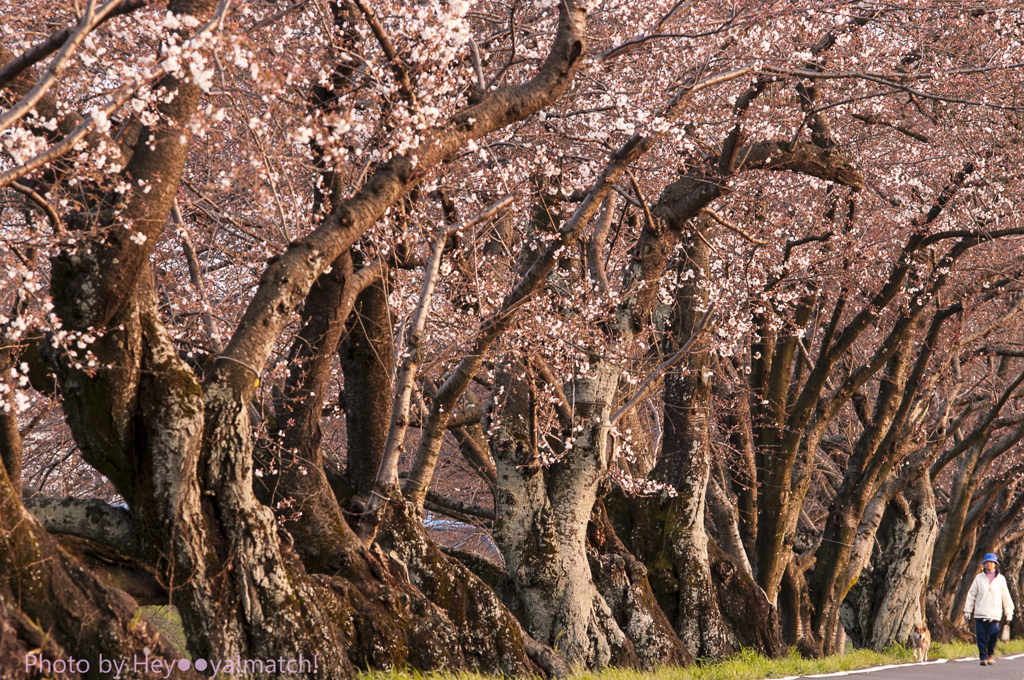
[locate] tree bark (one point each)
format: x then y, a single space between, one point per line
887 601
367 360
51 607
542 516
490 638
685 463
623 582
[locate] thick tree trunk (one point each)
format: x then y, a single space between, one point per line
10 436
726 519
748 618
942 628
696 615
794 605
685 463
240 588
1013 560
885 603
960 495
541 525
622 581
752 621
53 609
367 359
490 638
181 453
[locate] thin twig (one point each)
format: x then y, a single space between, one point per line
648 384
196 274
732 227
36 198
648 219
512 55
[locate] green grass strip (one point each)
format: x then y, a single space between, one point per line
749 665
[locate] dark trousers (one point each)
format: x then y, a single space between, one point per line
987 632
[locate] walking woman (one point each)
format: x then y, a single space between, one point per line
988 599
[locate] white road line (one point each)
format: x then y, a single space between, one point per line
874 669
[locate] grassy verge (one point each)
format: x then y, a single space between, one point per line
166 618
746 665
751 666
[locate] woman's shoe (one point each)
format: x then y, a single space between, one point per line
990 662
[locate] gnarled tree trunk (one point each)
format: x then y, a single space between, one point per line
886 602
542 514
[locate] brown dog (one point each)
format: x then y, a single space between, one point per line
922 640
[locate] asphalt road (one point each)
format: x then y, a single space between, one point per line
1006 668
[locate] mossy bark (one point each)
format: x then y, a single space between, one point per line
622 581
748 618
489 637
52 607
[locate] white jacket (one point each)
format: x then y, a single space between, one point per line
989 600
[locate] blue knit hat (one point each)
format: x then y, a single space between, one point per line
990 557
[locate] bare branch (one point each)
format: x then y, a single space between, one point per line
732 227
51 213
274 17
595 245
196 274
399 68
512 49
649 382
562 406
871 119
884 79
446 505
477 67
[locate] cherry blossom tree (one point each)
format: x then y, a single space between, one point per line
706 301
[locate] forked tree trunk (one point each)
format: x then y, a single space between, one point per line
885 603
669 534
542 514
246 594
